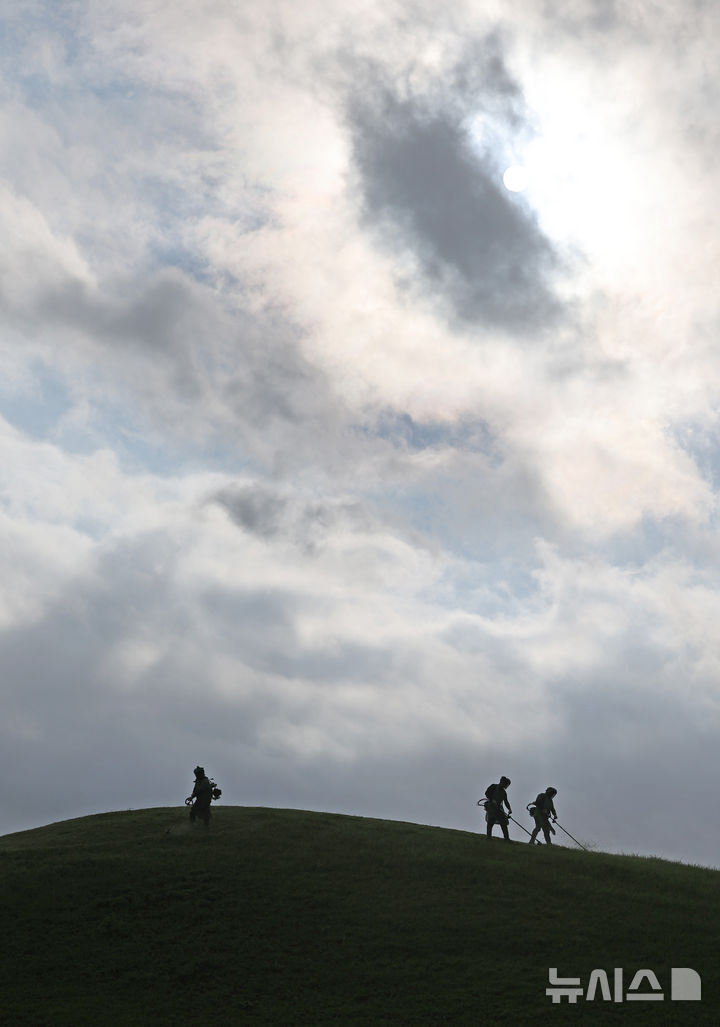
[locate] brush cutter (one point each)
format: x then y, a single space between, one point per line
570 836
523 828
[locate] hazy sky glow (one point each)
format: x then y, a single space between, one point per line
330 462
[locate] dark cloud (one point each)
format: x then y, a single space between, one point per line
254 508
412 434
268 512
427 185
173 353
581 16
163 320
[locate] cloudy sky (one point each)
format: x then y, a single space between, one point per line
329 461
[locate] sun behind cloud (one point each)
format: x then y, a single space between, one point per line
516 178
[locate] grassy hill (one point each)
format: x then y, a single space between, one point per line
289 917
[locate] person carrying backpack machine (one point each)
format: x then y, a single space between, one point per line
497 798
541 810
203 793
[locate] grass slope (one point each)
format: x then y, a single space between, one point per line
288 917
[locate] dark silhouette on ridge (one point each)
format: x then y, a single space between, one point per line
494 813
541 810
202 795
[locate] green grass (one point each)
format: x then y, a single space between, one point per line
289 917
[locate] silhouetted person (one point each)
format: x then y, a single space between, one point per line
201 797
497 798
544 808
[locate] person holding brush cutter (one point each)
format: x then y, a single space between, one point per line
202 796
541 810
496 797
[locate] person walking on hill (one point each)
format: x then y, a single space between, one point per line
201 797
496 796
541 810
